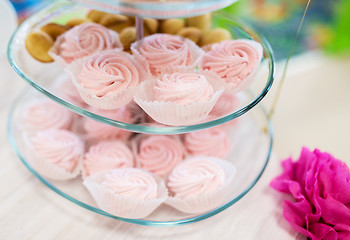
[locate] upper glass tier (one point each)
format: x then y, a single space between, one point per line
47 77
157 8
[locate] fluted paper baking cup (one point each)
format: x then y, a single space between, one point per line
174 114
110 101
46 168
123 206
211 200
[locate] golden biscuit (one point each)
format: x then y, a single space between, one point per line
214 36
38 45
127 37
191 33
54 29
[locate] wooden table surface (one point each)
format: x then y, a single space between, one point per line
313 111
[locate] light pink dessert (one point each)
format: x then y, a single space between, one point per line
44 114
183 88
97 131
159 154
56 153
106 80
161 52
132 182
235 61
200 184
212 142
195 178
182 98
107 155
127 192
84 40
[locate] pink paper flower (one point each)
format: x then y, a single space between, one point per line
320 186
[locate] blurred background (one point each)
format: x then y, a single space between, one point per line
326 24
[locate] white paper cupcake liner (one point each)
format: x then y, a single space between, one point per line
110 101
208 201
174 114
195 50
45 167
123 206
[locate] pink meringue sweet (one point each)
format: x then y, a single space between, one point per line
107 72
84 40
97 131
159 154
127 192
131 182
235 61
107 155
106 80
60 147
161 52
212 142
44 114
183 88
195 177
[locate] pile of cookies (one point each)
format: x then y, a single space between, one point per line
198 29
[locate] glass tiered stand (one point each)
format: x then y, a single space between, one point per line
252 130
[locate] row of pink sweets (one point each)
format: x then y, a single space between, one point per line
129 175
171 78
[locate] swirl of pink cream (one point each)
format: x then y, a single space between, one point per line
60 147
108 72
195 177
159 154
162 51
101 131
233 60
182 88
107 155
84 40
212 142
45 114
132 182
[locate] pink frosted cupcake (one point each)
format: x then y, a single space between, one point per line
55 153
83 40
235 61
158 154
162 52
179 98
107 155
106 80
97 131
213 142
127 192
45 114
200 184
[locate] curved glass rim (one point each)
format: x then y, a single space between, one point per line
157 9
142 128
139 221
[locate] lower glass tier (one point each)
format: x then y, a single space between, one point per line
250 155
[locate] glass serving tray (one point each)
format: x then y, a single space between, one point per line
250 155
43 76
157 8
